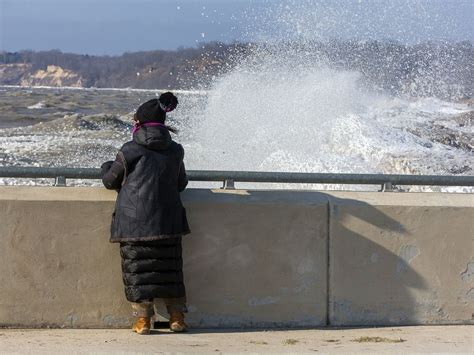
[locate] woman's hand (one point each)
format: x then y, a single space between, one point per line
106 167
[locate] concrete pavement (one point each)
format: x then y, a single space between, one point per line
402 340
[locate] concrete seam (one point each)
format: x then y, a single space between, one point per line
328 261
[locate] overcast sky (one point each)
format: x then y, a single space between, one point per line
117 26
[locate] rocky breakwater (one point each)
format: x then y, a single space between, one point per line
456 133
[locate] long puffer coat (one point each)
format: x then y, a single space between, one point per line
149 217
152 269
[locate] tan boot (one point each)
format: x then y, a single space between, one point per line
142 325
177 322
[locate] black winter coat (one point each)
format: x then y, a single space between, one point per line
149 174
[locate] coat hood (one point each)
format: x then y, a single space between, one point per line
154 137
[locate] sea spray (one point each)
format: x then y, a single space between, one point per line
304 101
282 109
299 97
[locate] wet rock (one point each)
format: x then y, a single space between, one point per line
460 169
464 119
447 136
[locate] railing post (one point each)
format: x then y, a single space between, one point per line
387 187
228 184
60 181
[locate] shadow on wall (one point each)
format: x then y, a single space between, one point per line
277 256
368 283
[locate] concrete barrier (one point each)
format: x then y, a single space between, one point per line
398 258
57 267
254 259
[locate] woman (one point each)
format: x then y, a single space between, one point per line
149 218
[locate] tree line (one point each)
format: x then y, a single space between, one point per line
427 69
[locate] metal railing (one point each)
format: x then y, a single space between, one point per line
388 181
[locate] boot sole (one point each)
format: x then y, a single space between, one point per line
178 330
142 332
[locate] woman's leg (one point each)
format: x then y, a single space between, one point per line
154 270
143 311
176 307
175 304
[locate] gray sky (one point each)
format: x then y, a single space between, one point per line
117 26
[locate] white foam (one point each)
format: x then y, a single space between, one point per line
434 105
37 106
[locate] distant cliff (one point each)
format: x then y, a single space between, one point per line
427 69
53 76
12 74
183 68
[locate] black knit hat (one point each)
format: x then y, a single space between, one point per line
155 110
168 101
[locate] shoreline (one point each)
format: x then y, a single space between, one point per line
80 88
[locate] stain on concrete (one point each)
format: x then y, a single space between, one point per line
255 301
306 266
470 294
115 322
407 253
374 257
440 312
467 275
240 255
71 320
304 286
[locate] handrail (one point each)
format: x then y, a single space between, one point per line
229 177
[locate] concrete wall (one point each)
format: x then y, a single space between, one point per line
255 258
399 258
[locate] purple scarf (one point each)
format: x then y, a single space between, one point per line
139 125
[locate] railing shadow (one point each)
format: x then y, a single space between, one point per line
368 283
